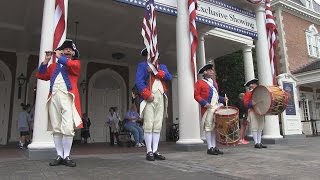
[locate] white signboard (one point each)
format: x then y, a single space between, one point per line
211 12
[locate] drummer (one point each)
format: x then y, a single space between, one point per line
256 121
206 94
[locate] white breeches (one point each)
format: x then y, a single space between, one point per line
153 114
256 121
60 113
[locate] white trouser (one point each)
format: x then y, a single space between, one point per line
153 114
256 121
60 113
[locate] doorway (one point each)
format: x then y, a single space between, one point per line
106 89
5 90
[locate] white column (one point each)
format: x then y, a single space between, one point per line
189 130
42 139
248 62
271 129
201 61
248 68
22 59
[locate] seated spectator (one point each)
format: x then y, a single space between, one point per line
131 125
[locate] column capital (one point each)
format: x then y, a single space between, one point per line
247 48
22 55
261 7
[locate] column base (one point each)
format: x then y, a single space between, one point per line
40 151
190 147
41 154
272 137
269 140
189 141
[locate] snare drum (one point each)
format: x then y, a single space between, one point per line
269 100
227 125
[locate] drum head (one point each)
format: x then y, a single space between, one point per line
223 111
262 99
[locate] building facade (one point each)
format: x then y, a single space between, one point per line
298 24
109 42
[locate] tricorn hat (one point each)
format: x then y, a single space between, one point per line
252 81
144 52
204 68
68 43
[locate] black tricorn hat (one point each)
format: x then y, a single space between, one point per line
252 81
68 43
204 68
144 52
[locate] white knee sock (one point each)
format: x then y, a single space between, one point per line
155 141
67 143
259 134
255 136
57 139
213 138
148 141
209 139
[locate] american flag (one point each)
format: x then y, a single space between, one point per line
272 39
192 6
59 24
149 34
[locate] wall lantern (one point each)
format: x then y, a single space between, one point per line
21 80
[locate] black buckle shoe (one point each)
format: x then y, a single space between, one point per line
158 156
263 146
257 146
58 161
218 151
68 162
212 151
150 156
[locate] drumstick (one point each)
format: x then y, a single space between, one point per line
225 97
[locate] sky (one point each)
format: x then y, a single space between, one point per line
318 1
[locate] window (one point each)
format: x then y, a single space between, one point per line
313 42
309 4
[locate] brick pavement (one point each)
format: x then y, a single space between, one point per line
298 159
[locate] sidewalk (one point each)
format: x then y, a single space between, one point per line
299 159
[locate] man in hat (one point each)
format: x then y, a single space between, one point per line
256 121
206 94
153 109
63 103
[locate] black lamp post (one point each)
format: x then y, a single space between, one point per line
21 80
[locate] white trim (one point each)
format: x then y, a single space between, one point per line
297 10
308 77
312 39
282 42
218 32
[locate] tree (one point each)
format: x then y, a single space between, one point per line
230 75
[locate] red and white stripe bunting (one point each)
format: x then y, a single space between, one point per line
192 6
272 39
149 34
